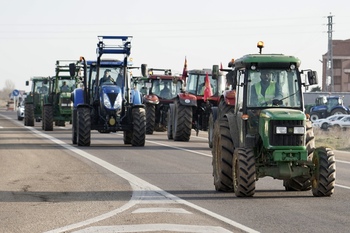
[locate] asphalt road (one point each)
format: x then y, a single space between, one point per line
49 185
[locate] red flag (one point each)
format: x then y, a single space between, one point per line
207 91
184 72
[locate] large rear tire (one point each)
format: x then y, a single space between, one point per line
150 118
244 175
84 127
222 152
323 181
182 124
48 118
29 115
139 127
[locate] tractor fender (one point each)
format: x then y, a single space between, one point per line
230 97
187 99
77 97
136 97
150 99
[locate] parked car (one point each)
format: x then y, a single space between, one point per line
343 123
20 111
324 123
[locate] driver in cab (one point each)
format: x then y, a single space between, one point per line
106 77
266 92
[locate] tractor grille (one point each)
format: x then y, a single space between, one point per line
112 97
66 103
288 139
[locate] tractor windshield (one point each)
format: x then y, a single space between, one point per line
196 84
164 88
273 88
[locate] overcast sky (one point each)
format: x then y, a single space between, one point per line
36 33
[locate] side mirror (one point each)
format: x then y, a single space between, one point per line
45 81
27 83
312 77
215 72
144 70
72 69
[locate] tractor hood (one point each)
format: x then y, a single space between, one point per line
282 114
111 97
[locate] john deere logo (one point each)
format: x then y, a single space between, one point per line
290 130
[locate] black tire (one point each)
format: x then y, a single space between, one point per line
48 118
338 111
150 118
84 127
182 124
324 126
243 170
222 152
302 183
170 122
127 137
314 117
324 178
74 127
29 115
139 127
212 119
224 108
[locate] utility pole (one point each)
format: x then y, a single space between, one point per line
330 54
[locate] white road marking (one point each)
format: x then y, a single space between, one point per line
154 227
161 210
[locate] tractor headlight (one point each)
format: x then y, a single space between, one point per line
118 101
281 130
299 130
106 101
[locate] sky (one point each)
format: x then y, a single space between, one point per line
36 33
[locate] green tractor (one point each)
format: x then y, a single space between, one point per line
268 134
32 105
57 104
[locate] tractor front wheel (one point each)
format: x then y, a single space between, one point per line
182 124
139 127
48 118
323 181
150 118
244 175
83 127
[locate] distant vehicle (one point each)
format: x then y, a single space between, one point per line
20 111
341 124
324 123
327 106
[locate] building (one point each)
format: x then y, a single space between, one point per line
341 67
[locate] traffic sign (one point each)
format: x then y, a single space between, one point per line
15 92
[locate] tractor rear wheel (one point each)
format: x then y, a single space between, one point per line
324 178
244 176
83 127
150 118
48 118
74 126
224 108
182 124
127 136
29 115
139 127
222 152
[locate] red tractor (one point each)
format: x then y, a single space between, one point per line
192 109
163 88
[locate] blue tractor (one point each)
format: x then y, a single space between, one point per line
326 106
112 105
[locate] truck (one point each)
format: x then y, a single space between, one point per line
57 104
162 89
32 102
326 106
110 106
271 135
